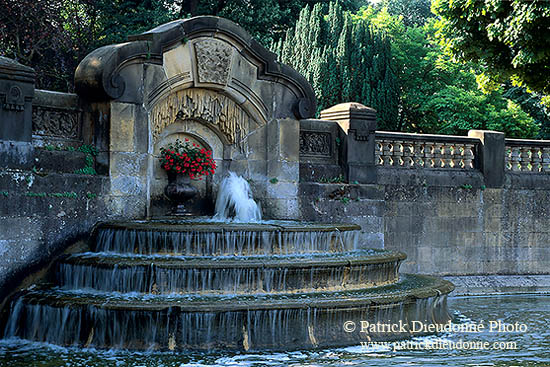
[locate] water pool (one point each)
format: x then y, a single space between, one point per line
507 344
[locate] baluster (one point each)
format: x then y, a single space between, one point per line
525 158
468 156
429 154
458 162
438 161
446 159
386 153
507 159
407 153
398 153
536 153
419 160
514 158
378 153
546 159
456 157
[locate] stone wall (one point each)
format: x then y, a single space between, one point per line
49 194
455 205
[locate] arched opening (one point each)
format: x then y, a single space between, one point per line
196 132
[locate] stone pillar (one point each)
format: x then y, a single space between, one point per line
128 160
490 158
16 94
359 123
283 169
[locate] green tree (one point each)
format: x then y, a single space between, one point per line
118 19
32 33
437 95
532 104
414 12
265 20
508 39
344 59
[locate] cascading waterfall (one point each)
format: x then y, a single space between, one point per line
235 201
223 284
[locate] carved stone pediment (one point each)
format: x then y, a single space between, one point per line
200 52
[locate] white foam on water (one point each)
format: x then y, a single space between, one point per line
235 201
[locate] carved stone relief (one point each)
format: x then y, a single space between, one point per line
213 61
205 105
314 143
56 122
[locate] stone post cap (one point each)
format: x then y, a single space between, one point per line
478 133
349 110
12 70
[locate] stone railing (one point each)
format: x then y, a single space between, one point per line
405 150
523 155
56 119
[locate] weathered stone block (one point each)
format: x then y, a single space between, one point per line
491 155
282 190
122 127
127 185
128 164
282 170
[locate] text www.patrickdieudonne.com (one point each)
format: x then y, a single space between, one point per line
368 329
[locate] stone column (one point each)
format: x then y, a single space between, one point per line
128 160
283 169
359 123
490 158
16 94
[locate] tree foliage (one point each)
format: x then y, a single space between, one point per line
414 12
508 39
117 19
265 20
437 95
344 60
52 36
34 33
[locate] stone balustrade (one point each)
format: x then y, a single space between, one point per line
532 156
405 150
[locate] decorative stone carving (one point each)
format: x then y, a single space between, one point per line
56 122
314 143
204 105
213 61
14 99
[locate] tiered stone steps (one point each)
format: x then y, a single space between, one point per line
179 285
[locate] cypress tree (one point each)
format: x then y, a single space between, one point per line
343 61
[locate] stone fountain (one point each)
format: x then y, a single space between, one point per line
198 284
202 283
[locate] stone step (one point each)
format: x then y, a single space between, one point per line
107 320
252 274
62 161
211 238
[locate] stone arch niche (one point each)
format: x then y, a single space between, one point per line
206 79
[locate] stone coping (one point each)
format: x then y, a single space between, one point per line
356 258
527 142
407 290
425 137
488 285
201 225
